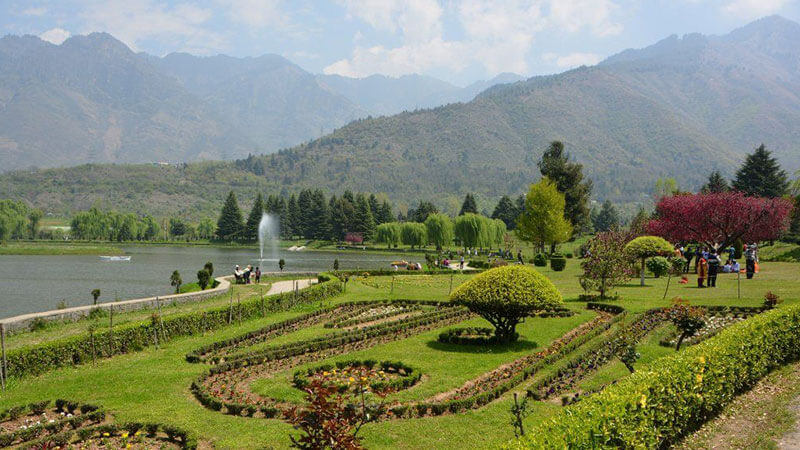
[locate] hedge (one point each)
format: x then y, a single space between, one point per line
656 406
133 337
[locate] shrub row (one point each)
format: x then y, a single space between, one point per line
469 336
63 439
392 272
202 353
332 340
76 350
483 398
409 376
655 407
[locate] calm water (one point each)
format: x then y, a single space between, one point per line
39 283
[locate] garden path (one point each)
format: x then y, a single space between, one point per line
279 287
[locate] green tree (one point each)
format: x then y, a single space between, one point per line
319 218
209 267
342 217
665 187
205 230
254 219
230 224
715 184
569 180
506 295
385 214
645 247
363 222
177 227
150 228
203 278
421 213
500 230
607 219
413 234
176 281
95 295
506 211
761 175
469 205
543 221
34 217
439 229
389 234
293 217
468 229
304 206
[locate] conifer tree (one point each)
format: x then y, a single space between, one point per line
364 222
230 224
319 219
506 211
304 204
251 227
715 184
293 217
761 175
568 177
607 219
469 205
385 212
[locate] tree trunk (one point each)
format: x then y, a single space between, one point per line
643 259
680 341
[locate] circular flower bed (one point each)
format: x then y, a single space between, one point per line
386 375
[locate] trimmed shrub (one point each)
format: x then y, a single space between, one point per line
540 260
505 295
658 266
558 262
655 407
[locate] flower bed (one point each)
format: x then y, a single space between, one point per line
68 424
655 407
76 350
714 325
218 351
371 314
225 385
468 336
390 375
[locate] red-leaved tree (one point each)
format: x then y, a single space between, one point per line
719 219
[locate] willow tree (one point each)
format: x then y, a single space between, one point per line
440 230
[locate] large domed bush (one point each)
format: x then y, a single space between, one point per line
505 295
644 247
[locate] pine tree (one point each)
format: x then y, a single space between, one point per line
506 211
293 217
375 207
319 219
607 219
568 177
251 227
230 224
304 203
422 212
469 205
341 216
385 213
715 184
761 175
364 222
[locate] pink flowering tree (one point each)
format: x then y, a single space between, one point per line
607 264
719 219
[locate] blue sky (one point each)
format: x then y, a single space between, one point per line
458 41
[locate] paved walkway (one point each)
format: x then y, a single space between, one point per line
279 287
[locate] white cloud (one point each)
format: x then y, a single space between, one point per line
181 26
572 60
255 13
497 34
36 12
56 35
751 9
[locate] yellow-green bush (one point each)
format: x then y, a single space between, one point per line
676 393
505 295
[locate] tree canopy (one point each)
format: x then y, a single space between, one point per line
440 230
761 175
607 219
506 211
543 221
715 184
568 177
469 205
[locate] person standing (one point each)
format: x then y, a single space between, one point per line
702 271
258 274
519 257
689 255
713 268
698 253
750 260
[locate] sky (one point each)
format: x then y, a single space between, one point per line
457 41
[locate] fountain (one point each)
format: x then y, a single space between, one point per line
268 230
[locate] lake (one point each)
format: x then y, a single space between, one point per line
33 283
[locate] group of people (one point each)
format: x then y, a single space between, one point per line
245 275
708 262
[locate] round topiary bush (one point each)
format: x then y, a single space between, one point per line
540 260
658 266
645 247
558 262
505 295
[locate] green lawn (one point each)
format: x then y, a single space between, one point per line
153 385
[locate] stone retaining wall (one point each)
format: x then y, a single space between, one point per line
69 314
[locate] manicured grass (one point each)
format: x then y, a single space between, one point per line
153 385
55 248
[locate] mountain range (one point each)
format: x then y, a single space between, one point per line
93 100
679 108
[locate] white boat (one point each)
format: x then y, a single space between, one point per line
115 258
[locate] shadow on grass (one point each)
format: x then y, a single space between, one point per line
520 345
